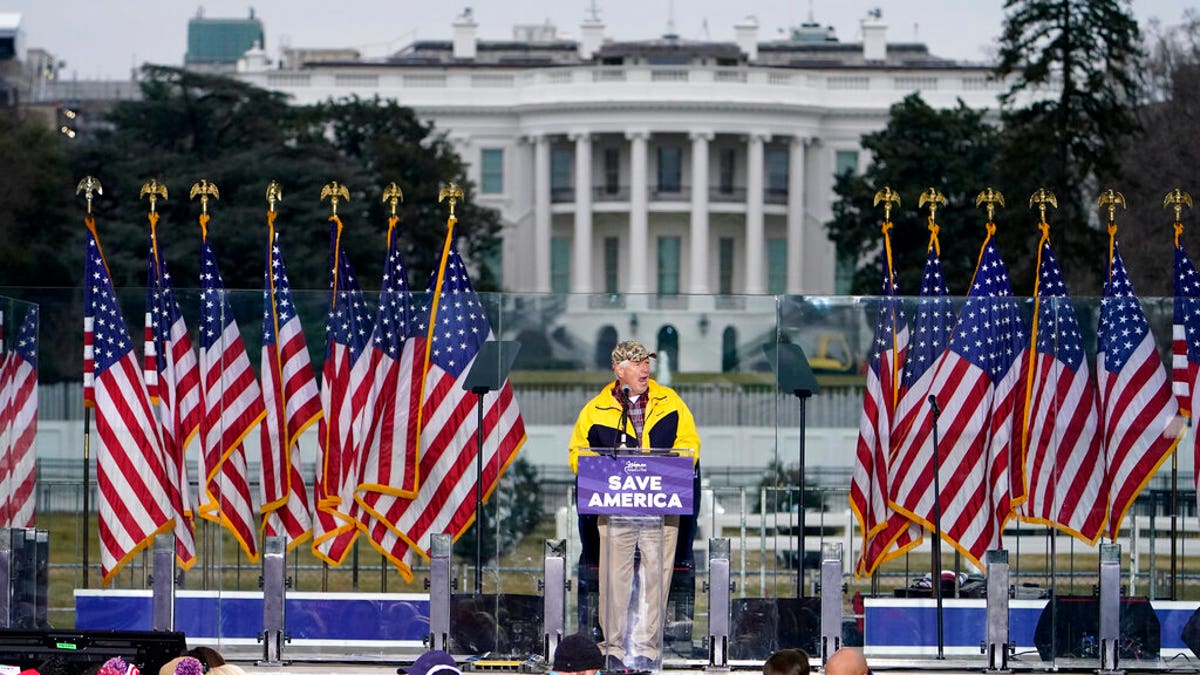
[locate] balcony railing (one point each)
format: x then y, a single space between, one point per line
674 193
611 193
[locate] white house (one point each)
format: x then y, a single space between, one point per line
662 178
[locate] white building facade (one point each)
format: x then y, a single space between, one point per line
659 182
665 166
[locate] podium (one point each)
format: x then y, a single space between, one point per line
637 496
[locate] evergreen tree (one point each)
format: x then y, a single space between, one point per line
1073 71
190 126
952 150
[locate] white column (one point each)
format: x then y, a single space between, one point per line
581 246
755 268
699 235
639 237
795 216
541 213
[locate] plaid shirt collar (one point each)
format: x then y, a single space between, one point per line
637 411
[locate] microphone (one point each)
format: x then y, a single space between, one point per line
623 438
934 404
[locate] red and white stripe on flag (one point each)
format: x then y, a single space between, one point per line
176 373
232 407
292 402
20 401
345 385
1139 417
1063 463
134 504
445 501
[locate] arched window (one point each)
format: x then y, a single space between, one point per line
606 339
729 355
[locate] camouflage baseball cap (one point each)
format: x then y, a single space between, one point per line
631 350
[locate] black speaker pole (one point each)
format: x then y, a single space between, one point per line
800 509
937 530
479 393
489 372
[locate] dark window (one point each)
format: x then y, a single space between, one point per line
727 164
725 266
670 168
612 170
561 160
560 264
612 257
668 265
491 171
777 172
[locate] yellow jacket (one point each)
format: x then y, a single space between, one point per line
669 423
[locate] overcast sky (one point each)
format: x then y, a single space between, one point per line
107 38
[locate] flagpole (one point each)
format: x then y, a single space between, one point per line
455 194
1177 199
88 185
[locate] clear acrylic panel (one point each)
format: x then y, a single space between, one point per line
722 355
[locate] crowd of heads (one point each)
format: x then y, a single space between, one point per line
196 661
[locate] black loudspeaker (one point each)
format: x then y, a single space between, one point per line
761 626
1191 633
1073 631
148 650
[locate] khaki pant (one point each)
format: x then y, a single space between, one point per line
619 536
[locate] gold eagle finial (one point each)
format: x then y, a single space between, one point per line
205 190
1042 197
889 197
89 185
991 197
274 195
1111 199
1178 199
933 198
393 195
335 191
452 192
154 190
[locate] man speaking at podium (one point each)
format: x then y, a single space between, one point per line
633 412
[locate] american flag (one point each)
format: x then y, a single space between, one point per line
978 383
1063 465
445 501
131 474
1139 417
389 450
868 485
6 421
1185 343
931 332
1185 332
233 404
344 388
177 374
292 402
18 475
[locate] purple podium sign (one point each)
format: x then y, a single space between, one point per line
635 484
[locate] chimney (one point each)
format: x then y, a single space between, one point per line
747 37
874 32
464 34
591 36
